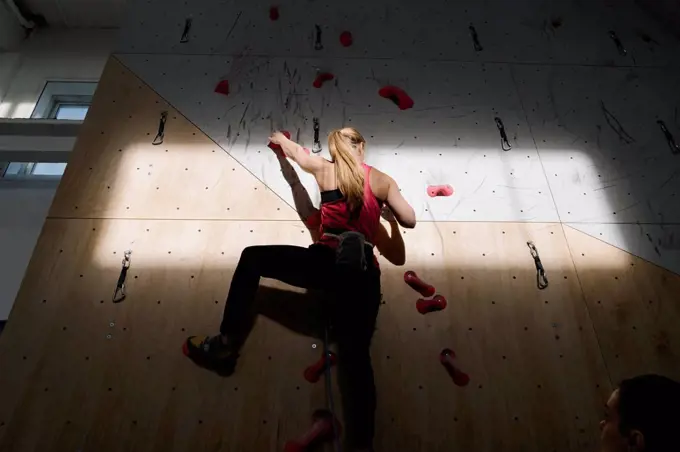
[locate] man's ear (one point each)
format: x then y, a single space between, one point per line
636 441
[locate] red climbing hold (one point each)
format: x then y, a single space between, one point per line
222 87
325 428
346 38
418 284
439 190
321 78
313 373
397 95
274 13
447 358
277 148
438 303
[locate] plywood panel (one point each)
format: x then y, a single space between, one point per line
90 374
656 243
115 171
527 351
634 306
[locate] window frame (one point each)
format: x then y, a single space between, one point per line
55 93
27 174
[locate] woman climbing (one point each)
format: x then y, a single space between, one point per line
341 263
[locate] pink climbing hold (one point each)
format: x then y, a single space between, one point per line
325 428
447 358
314 372
438 303
321 78
277 148
396 95
222 87
417 284
439 190
346 38
274 13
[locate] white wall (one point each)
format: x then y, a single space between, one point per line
53 55
22 214
11 35
9 64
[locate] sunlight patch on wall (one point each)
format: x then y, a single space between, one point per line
4 109
16 111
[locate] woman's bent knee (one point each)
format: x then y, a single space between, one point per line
251 253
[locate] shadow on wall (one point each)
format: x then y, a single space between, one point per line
665 11
527 351
10 109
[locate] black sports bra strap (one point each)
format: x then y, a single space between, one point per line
331 195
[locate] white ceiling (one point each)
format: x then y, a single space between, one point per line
78 13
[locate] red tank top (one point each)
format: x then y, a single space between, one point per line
336 217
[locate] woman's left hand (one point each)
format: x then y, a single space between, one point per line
387 215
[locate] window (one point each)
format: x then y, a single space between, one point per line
26 170
65 100
69 111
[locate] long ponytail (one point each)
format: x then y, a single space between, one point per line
348 173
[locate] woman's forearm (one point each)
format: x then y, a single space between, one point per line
291 149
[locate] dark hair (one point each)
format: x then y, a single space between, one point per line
651 404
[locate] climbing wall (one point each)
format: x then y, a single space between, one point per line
80 372
577 88
633 306
526 351
611 171
543 117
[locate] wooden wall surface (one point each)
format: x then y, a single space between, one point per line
115 172
78 372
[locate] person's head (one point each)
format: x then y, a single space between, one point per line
642 414
347 147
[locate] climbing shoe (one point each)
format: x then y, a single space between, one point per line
210 353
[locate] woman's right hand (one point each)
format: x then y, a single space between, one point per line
278 138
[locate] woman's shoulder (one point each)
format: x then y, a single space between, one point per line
379 181
378 175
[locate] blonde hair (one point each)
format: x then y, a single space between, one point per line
348 173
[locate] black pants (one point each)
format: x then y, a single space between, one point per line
354 299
